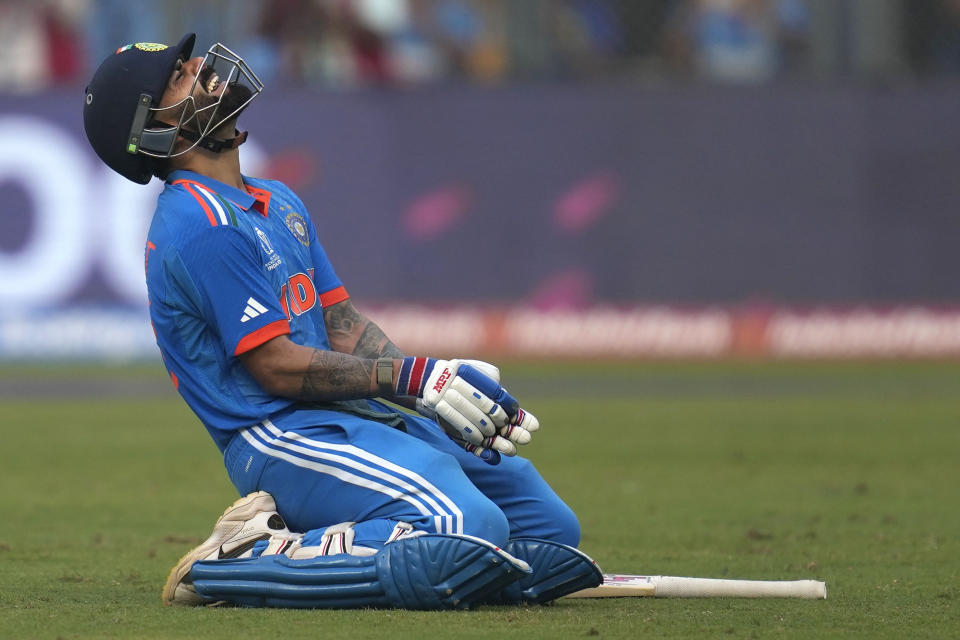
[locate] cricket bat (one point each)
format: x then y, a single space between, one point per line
617 585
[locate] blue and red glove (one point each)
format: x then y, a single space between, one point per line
466 399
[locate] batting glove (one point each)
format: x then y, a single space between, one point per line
467 401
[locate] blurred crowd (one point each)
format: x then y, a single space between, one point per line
345 43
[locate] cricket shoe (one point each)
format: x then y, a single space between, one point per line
246 522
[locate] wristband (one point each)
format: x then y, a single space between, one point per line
413 376
385 376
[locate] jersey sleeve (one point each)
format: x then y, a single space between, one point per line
238 300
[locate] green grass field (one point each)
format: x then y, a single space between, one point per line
847 473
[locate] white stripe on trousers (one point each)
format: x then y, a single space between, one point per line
428 491
397 481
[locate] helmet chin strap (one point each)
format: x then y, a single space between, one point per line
214 145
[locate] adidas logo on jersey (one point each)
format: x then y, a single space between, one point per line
253 310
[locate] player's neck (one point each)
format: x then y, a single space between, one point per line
223 167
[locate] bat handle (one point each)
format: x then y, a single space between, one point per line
676 587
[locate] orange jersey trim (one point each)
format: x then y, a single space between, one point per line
146 255
262 199
261 335
203 203
333 296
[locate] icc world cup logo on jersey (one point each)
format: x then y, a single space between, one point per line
264 241
273 260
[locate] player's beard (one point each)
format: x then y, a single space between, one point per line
235 98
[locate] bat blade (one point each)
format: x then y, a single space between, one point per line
616 585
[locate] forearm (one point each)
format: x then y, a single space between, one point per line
290 370
374 343
337 376
331 375
349 371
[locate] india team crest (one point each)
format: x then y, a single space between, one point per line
298 227
150 46
144 46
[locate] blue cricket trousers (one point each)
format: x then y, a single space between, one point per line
324 467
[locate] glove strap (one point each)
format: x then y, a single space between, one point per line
413 376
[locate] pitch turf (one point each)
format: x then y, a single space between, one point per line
844 473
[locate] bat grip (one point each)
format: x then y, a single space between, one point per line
676 587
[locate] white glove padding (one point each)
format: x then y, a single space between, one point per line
473 402
488 450
519 428
466 399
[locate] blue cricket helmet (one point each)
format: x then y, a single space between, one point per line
118 99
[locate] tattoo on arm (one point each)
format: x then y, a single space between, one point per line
341 321
349 331
336 376
373 343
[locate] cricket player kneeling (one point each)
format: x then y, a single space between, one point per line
262 340
252 559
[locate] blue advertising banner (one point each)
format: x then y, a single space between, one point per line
550 197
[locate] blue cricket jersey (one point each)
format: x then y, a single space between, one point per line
228 270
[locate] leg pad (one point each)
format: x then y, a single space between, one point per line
431 571
558 570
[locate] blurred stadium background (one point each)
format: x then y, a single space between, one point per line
618 178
